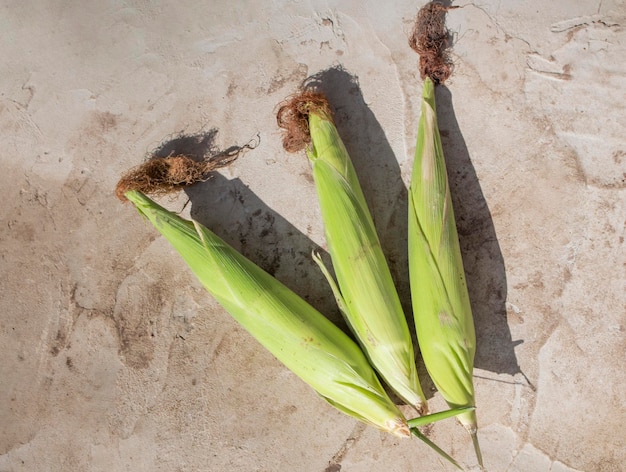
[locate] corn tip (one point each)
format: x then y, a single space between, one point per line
421 408
399 427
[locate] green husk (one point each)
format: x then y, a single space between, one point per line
441 305
364 289
292 330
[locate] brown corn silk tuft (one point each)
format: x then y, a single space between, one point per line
429 39
164 175
293 118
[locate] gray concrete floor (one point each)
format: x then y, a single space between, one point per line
115 359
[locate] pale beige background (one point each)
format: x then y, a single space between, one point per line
115 359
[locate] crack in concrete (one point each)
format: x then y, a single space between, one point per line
549 74
577 22
531 450
501 29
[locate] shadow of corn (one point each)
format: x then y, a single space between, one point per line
482 258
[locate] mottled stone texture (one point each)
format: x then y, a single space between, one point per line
115 359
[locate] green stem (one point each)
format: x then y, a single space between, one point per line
436 448
442 415
479 454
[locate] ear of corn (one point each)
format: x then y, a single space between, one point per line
365 289
441 305
292 330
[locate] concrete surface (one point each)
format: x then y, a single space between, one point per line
115 359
